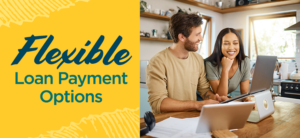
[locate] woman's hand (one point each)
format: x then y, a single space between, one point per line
248 99
226 63
221 98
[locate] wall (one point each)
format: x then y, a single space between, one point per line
298 39
149 48
240 20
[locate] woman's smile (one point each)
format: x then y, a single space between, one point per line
231 53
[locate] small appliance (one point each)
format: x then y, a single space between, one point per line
290 88
241 2
295 75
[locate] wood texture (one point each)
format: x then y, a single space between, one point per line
201 42
254 36
155 16
202 5
224 134
156 39
206 17
165 18
285 122
241 8
249 40
260 5
241 34
271 16
209 38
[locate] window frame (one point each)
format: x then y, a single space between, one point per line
209 28
263 17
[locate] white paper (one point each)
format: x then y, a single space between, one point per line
177 128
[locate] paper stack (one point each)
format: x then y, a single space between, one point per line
178 128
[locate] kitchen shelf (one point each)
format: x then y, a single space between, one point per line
166 18
159 17
241 8
156 39
154 16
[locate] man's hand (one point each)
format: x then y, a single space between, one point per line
199 104
221 98
210 101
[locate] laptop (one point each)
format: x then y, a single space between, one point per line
224 116
262 77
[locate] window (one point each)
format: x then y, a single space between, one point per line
267 36
204 47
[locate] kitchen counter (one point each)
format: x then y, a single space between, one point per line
285 99
284 122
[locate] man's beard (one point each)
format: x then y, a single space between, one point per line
190 46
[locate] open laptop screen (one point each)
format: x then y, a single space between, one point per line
263 73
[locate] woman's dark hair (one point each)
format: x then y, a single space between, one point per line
183 23
217 55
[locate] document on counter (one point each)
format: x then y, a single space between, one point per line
177 128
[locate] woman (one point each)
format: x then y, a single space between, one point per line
228 67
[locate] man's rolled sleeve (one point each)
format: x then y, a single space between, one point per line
156 83
203 84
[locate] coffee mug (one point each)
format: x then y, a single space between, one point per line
157 11
147 34
162 12
168 13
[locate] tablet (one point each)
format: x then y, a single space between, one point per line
224 116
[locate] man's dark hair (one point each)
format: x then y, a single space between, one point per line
183 23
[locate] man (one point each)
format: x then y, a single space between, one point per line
176 73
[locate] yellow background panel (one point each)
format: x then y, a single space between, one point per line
72 23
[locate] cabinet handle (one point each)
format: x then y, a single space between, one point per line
291 93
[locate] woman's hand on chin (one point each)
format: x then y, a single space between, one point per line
226 63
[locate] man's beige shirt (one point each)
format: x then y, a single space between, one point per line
169 76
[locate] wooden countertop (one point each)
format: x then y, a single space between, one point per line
285 122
